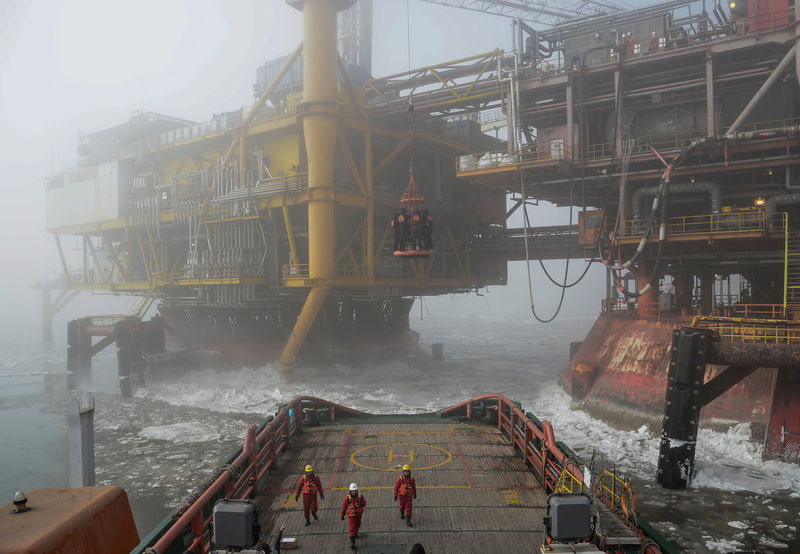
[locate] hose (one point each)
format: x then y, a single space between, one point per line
528 260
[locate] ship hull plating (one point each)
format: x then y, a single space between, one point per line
622 367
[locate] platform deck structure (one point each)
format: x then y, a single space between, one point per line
474 491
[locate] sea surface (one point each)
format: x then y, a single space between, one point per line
173 433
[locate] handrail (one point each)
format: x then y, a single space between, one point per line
240 478
675 141
303 271
243 476
539 445
540 153
754 220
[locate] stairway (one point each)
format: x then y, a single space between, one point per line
139 310
793 268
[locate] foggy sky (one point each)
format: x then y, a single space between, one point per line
83 65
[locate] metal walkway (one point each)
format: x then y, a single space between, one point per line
474 492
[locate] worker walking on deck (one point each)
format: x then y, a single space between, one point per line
405 488
310 486
353 507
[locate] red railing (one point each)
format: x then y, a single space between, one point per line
539 445
241 478
632 309
769 311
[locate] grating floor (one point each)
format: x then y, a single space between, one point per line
474 493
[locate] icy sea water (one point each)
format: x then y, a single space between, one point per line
174 432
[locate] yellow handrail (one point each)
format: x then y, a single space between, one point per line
785 258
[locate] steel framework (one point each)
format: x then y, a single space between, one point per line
542 12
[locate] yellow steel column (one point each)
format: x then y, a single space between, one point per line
370 206
305 320
319 112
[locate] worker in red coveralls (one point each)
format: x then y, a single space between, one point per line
310 486
353 507
405 488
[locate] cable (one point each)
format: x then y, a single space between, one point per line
569 252
661 197
528 260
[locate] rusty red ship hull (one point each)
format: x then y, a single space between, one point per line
621 368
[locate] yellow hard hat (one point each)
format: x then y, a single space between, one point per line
309 468
406 467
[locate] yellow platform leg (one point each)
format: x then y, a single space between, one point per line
319 112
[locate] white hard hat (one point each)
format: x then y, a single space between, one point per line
353 487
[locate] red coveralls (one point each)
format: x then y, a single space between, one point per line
406 489
353 507
310 488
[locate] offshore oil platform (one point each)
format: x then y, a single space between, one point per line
267 231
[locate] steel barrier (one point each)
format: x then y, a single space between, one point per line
188 528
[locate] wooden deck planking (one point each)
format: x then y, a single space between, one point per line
476 494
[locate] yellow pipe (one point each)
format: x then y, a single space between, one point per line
305 320
785 259
320 126
288 221
370 205
351 163
144 256
153 250
242 157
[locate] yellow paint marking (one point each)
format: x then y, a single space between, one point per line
391 488
289 503
472 425
511 497
323 429
446 461
410 455
403 433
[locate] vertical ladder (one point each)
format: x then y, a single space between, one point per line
792 272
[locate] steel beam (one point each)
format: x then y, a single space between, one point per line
710 108
774 76
724 381
781 356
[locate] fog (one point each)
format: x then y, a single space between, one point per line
82 65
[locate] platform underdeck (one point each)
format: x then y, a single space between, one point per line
474 493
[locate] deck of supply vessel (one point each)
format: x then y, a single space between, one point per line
482 482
